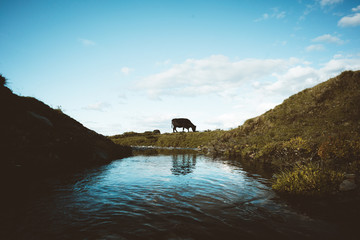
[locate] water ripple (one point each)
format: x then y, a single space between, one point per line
164 197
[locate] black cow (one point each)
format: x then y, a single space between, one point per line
182 122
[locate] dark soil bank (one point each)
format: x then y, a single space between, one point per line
34 136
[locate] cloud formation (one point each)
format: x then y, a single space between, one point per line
219 75
356 9
100 106
300 77
215 74
324 3
327 38
315 47
275 14
350 20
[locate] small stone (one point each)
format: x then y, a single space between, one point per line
347 185
350 176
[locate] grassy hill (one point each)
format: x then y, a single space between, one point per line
310 139
37 137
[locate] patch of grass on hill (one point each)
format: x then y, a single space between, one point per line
318 125
180 139
308 179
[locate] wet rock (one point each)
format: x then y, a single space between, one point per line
347 185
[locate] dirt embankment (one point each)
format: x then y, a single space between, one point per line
35 136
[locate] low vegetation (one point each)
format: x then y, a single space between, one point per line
310 140
180 139
308 179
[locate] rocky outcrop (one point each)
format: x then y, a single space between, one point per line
349 183
35 136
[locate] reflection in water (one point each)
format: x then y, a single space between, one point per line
172 196
155 151
183 164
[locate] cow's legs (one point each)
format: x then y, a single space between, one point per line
174 129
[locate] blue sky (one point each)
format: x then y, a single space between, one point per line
118 66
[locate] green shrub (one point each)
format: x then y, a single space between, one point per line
297 145
308 179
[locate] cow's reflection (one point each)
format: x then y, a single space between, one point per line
183 164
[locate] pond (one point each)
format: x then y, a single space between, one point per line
159 196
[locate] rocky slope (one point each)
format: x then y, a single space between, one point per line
35 136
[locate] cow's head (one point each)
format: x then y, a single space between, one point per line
193 128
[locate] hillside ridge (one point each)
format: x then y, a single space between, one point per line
311 140
329 109
35 136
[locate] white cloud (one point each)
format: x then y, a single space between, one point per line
300 77
216 74
327 38
100 106
150 122
280 15
226 120
338 56
315 47
253 90
350 20
126 70
275 14
294 80
262 18
309 8
324 3
356 9
86 42
336 66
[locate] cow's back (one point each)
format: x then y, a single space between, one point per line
181 122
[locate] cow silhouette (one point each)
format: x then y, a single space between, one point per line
182 123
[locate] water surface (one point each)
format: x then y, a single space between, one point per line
176 196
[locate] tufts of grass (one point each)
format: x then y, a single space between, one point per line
308 179
319 124
180 139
